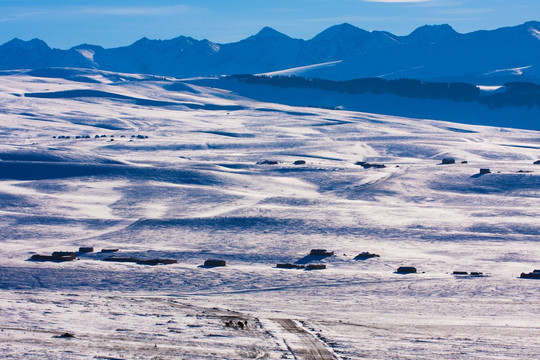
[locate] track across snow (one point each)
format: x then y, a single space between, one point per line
302 344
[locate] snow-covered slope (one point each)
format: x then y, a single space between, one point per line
435 52
301 70
413 105
173 174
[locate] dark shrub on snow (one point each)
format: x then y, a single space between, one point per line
447 161
320 252
215 262
406 270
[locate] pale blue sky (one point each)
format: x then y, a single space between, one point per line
110 23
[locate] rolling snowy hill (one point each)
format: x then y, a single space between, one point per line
428 53
516 105
160 168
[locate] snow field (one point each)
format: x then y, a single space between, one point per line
192 191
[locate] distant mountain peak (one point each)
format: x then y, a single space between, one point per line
143 40
344 30
15 40
87 47
156 43
270 32
345 27
30 45
433 33
535 24
439 29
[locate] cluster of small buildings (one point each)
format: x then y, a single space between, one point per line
313 255
66 137
61 256
367 165
449 161
535 274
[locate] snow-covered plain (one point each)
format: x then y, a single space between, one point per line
192 191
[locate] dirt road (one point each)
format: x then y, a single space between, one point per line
302 344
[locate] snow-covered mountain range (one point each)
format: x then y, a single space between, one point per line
344 51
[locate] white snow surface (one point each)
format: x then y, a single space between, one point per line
515 71
301 70
87 53
489 87
535 33
192 191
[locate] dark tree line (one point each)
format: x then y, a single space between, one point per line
513 94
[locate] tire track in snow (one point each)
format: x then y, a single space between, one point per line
302 344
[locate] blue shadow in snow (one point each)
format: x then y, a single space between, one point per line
309 258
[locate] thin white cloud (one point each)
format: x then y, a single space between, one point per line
465 11
128 10
441 4
16 13
10 15
398 1
347 19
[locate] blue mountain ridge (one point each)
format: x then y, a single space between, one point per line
431 52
